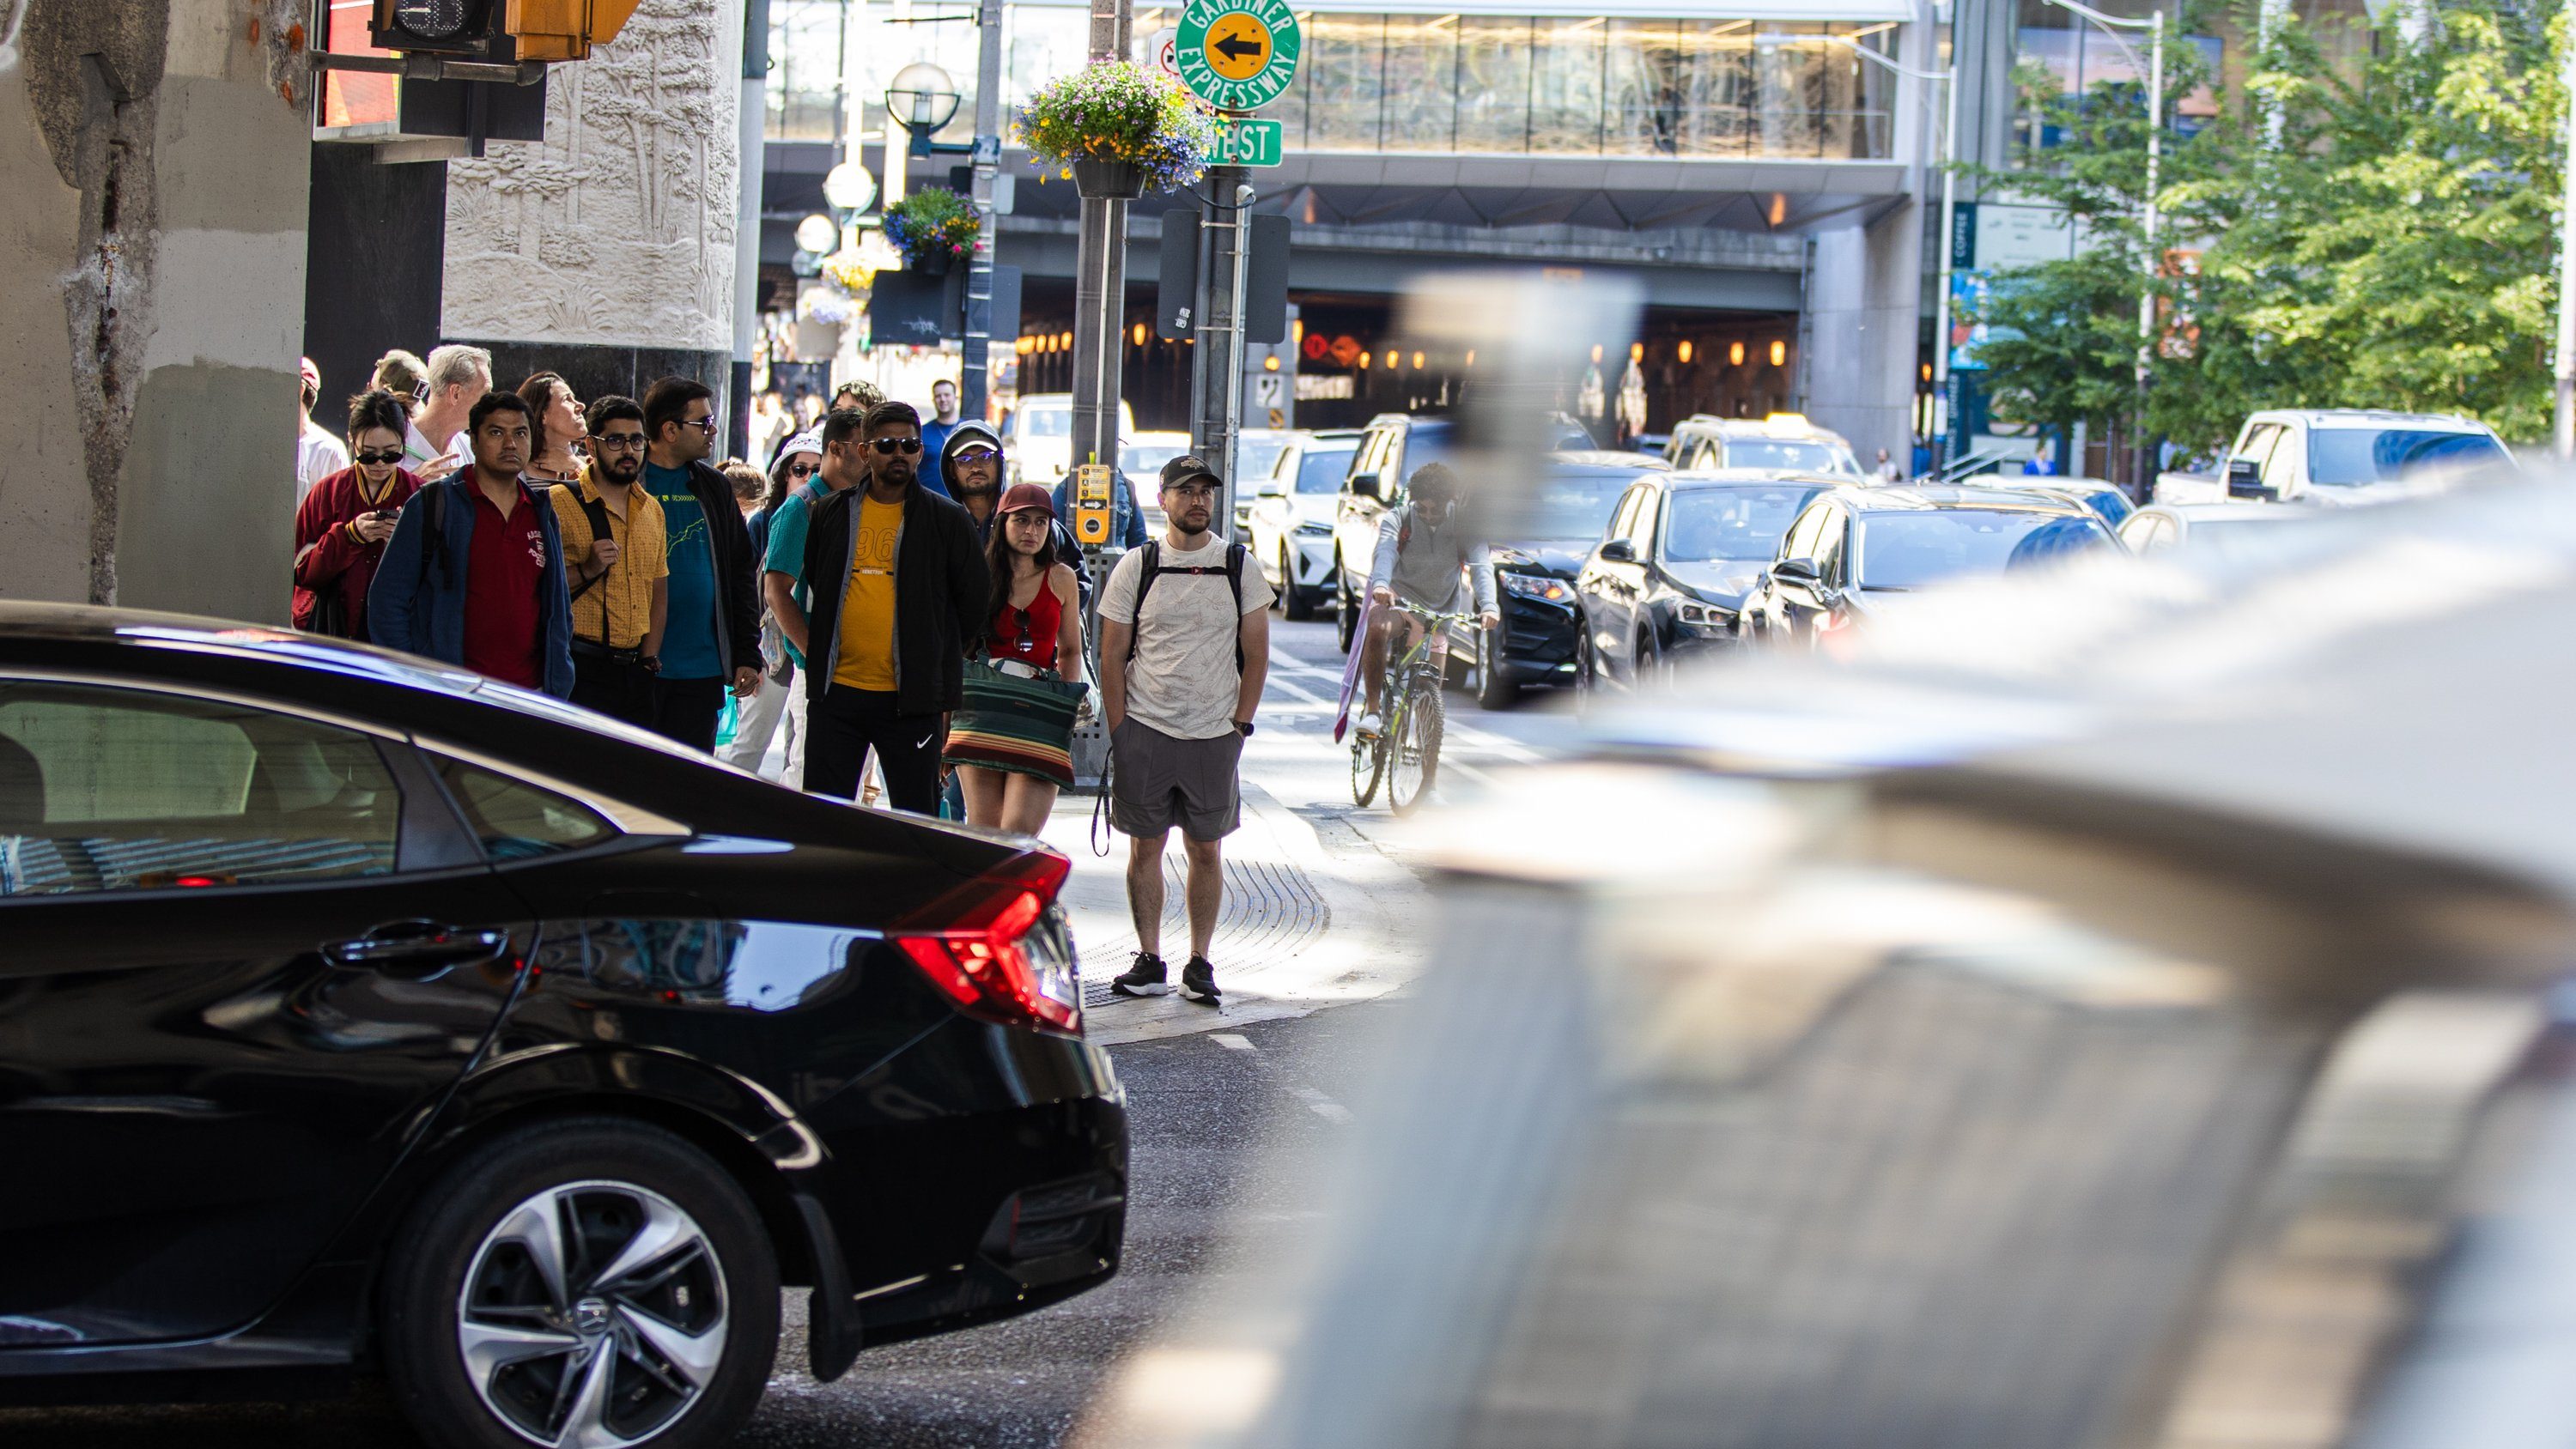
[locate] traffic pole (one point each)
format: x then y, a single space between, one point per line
974 389
1100 287
2562 433
1216 372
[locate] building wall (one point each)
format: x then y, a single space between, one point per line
154 153
607 251
1862 330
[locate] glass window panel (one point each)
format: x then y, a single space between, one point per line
1348 56
1716 79
804 87
1040 43
106 789
1642 81
1421 82
516 820
1789 69
1493 85
1565 85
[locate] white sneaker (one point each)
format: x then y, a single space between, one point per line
1370 725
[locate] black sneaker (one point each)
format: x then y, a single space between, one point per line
1145 978
1198 981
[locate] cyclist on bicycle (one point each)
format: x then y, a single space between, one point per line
1426 560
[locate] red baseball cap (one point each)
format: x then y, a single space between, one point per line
1026 495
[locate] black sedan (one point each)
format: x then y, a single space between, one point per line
360 1016
1681 551
1854 550
1534 577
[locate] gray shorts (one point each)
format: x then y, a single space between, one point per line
1157 781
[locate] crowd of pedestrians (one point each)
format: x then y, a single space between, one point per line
875 604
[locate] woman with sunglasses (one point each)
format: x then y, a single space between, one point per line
560 429
771 701
1011 739
341 528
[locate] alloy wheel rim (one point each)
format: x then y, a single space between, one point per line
593 1315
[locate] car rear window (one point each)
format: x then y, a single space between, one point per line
2347 457
1913 550
1707 525
1785 454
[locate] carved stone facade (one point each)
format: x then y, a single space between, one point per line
617 232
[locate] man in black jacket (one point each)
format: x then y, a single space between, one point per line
711 641
899 589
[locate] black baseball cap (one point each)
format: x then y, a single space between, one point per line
1187 467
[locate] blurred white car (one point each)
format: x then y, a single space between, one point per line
1040 445
1291 532
2339 457
2201 526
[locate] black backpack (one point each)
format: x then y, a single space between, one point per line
1153 566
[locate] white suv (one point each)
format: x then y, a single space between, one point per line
1782 443
1040 446
1291 531
2337 457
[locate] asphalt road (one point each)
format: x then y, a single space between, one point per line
1229 1129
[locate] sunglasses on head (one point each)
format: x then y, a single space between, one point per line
892 446
375 459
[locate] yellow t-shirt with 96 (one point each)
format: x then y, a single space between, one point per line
863 648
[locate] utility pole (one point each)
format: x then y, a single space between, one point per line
975 389
2145 475
1100 286
2562 433
746 240
1216 372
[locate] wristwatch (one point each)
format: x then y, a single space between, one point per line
1244 728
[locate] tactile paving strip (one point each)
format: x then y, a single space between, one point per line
1272 910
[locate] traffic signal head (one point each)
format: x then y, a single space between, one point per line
565 29
446 27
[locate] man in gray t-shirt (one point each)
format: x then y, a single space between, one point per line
1425 558
1184 648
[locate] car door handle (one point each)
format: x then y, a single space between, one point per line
417 944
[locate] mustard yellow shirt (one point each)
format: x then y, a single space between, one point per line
643 549
863 649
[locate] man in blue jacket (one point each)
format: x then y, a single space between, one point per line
474 574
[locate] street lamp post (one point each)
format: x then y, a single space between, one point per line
2144 475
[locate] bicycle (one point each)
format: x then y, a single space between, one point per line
1406 753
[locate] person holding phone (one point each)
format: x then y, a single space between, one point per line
342 525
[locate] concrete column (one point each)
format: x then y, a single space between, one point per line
1862 314
606 252
155 155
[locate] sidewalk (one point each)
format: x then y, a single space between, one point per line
1303 926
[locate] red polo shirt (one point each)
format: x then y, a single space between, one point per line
503 628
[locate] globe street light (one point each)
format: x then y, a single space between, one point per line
922 99
849 187
818 234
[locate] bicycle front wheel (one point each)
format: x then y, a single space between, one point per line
1368 762
1414 744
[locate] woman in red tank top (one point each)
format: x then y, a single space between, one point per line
1011 738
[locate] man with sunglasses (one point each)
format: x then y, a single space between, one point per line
615 544
897 588
711 637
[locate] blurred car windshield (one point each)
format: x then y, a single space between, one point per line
1576 502
2111 503
1046 422
1707 525
1320 470
1255 457
1788 456
2346 457
1913 550
1141 459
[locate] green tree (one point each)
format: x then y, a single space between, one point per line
2397 248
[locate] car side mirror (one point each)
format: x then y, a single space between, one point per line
1618 550
2245 480
1801 571
1269 489
1364 486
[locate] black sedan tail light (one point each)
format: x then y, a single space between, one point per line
997 949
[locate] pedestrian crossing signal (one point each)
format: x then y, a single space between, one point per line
1091 504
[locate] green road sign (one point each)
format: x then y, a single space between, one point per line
1248 141
1237 55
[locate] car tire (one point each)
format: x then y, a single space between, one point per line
1494 687
469 1379
1295 602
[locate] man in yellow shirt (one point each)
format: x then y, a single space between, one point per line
898 593
618 565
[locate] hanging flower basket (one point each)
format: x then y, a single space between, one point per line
934 228
1119 130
